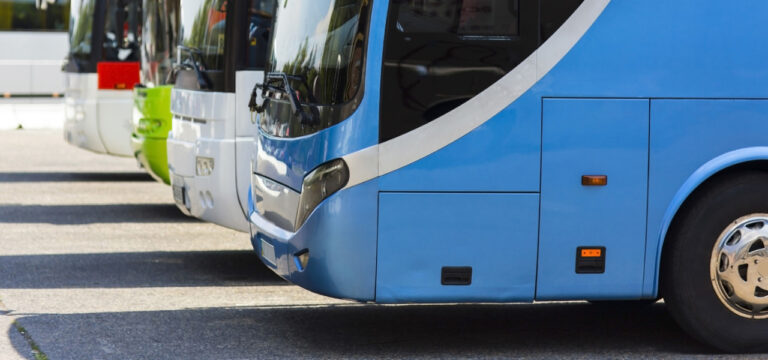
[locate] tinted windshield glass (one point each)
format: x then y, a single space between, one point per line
27 15
121 30
319 44
81 27
259 29
203 26
161 18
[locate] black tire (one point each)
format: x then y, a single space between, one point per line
685 273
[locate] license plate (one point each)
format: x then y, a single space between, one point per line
179 195
268 252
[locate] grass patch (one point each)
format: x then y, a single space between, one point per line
36 352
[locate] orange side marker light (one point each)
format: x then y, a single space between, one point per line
591 253
594 180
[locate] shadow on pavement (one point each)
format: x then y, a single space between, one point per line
92 214
546 331
73 176
131 270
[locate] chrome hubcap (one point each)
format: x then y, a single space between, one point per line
739 266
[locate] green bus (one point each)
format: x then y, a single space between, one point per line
152 98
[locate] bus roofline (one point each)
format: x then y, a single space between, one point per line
696 179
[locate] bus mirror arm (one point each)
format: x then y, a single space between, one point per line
253 102
293 98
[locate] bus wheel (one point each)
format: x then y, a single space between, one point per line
715 268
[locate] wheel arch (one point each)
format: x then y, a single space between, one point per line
728 164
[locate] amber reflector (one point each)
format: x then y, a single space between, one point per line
594 180
591 253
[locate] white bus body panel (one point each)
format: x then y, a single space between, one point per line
97 120
30 62
245 128
213 125
203 126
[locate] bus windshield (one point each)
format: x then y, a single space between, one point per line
203 29
158 40
121 30
81 28
119 38
319 46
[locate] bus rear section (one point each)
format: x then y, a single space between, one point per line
504 151
221 53
101 70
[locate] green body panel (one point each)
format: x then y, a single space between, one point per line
151 124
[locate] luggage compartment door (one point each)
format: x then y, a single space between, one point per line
456 247
586 142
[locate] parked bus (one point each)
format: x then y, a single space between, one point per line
524 150
33 36
101 69
152 98
222 51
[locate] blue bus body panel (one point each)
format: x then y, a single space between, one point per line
665 51
501 155
593 137
420 233
686 135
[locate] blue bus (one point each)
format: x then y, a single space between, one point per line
414 151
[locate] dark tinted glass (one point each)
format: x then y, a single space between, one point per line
260 14
554 13
122 24
458 17
26 15
439 54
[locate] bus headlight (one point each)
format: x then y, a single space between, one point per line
319 184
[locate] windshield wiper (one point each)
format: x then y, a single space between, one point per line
191 63
270 80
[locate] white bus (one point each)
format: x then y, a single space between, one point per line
102 68
33 36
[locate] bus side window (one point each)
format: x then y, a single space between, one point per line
554 13
439 54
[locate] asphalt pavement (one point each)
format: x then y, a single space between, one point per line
97 263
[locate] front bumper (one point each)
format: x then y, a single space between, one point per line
81 126
152 154
212 198
340 238
101 124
